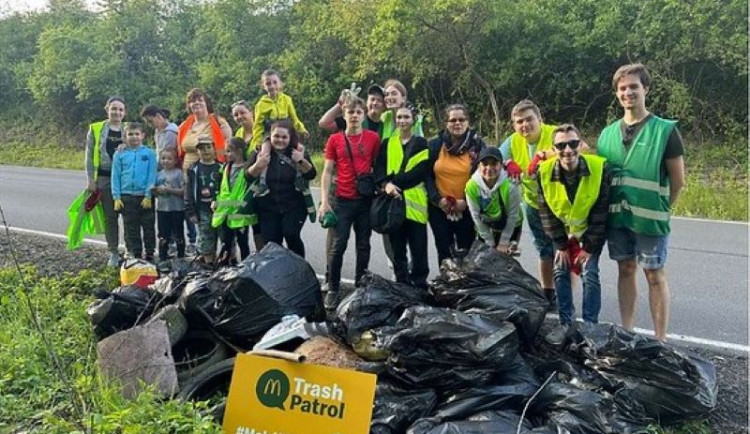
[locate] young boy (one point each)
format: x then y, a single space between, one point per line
352 152
204 179
133 177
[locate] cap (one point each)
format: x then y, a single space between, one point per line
491 152
376 89
204 141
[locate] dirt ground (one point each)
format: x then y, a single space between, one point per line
51 258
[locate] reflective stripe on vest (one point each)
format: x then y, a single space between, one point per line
639 197
573 215
96 131
519 152
415 197
234 206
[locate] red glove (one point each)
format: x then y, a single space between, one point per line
513 169
574 251
538 158
451 203
92 200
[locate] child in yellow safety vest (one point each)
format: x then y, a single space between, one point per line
233 213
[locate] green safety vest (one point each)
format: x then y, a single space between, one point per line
573 215
235 205
96 130
494 206
415 197
639 197
519 152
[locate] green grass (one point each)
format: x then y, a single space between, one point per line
717 176
34 395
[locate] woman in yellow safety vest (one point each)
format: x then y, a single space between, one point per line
102 141
401 168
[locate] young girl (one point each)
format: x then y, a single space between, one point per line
401 168
234 212
275 105
169 191
102 140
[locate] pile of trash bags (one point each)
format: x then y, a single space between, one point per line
461 357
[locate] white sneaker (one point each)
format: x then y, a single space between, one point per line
114 260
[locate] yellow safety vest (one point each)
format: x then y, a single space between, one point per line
235 205
519 152
96 130
415 197
573 215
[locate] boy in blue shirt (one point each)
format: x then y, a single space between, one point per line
133 177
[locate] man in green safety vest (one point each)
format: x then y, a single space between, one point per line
648 172
573 207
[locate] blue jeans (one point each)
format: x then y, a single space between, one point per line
542 241
592 291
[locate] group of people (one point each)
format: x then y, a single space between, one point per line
572 197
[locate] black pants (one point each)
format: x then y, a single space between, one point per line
277 228
350 212
414 235
171 228
138 222
450 235
228 237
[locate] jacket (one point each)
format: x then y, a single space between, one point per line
268 109
133 172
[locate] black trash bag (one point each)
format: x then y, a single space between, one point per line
670 384
491 283
378 302
448 349
480 423
121 309
508 390
261 290
577 410
197 299
396 407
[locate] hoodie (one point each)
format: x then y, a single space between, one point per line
166 138
479 195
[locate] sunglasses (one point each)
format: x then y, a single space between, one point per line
573 145
456 120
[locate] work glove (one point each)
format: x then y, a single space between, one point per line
574 251
146 203
347 94
119 205
538 158
513 169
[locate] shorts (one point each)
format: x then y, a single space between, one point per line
650 251
542 241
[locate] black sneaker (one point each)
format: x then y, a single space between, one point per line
331 299
556 337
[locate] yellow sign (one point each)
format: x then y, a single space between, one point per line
272 396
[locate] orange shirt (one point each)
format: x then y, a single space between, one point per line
451 173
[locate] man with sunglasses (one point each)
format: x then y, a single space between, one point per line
646 155
573 204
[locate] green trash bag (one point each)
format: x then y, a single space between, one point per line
84 222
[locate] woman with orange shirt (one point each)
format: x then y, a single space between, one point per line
452 160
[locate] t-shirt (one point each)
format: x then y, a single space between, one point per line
170 179
209 181
114 140
451 173
674 148
364 150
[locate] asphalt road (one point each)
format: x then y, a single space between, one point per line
707 263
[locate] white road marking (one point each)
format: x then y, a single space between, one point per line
671 337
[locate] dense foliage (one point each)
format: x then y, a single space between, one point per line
59 65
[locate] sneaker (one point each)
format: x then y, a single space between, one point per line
191 249
114 260
330 301
556 337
